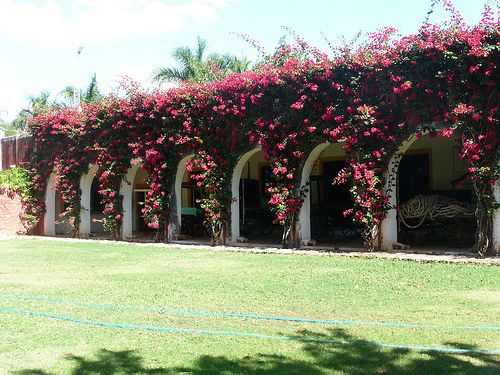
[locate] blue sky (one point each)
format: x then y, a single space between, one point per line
39 38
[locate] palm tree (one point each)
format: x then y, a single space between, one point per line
90 95
36 104
40 102
195 69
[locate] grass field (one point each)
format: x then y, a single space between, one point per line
318 287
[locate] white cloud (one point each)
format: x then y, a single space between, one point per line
49 23
42 24
12 99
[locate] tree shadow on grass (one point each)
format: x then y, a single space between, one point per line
106 362
348 355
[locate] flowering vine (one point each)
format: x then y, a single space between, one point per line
369 98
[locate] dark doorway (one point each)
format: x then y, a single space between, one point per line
328 222
141 225
414 176
96 198
337 197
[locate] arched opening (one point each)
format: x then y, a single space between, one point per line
235 192
127 190
322 215
188 213
496 219
91 204
436 203
96 206
62 227
49 219
53 223
251 217
140 189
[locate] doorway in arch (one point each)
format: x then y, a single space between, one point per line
329 200
256 221
436 202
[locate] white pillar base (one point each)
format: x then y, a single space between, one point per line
496 218
389 230
235 192
127 190
176 215
49 219
389 226
305 210
85 198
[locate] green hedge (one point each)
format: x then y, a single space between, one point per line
15 180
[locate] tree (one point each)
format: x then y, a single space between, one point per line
89 95
194 68
36 104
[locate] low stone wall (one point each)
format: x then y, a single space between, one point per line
10 208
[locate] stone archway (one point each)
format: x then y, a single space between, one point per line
127 190
321 218
235 193
305 211
49 219
85 201
176 215
426 168
389 226
496 219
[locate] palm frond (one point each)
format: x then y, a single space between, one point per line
92 93
201 46
194 68
169 75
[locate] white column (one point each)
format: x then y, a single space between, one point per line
235 192
85 187
305 210
496 218
1 136
179 176
389 226
49 219
127 190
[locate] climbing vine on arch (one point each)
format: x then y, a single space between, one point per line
369 98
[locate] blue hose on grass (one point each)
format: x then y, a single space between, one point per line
250 334
248 316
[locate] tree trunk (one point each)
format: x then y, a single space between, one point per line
218 233
370 235
289 239
484 217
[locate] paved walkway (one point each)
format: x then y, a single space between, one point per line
311 251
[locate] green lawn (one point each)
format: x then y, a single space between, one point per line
320 287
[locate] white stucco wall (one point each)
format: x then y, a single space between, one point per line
496 219
249 162
62 224
251 169
96 225
334 151
139 183
126 189
310 167
445 165
85 201
179 178
49 219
